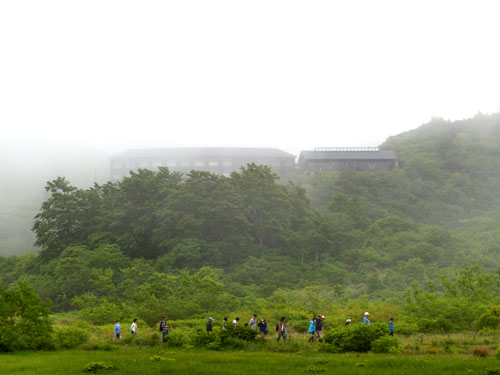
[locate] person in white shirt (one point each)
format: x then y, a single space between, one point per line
253 322
133 327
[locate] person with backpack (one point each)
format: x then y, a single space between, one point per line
312 328
319 326
209 326
164 329
263 327
282 329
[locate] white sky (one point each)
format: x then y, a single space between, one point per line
287 74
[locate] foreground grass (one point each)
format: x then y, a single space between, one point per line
134 360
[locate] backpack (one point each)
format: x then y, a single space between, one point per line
277 327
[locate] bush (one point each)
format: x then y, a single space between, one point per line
386 344
71 337
480 352
176 339
354 338
24 320
488 320
102 314
94 366
406 329
235 337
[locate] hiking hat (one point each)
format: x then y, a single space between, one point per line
366 313
348 320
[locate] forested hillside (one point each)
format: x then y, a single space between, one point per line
450 171
214 243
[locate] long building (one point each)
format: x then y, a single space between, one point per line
220 160
339 158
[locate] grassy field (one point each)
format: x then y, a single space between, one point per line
137 360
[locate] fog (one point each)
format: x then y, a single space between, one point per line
81 81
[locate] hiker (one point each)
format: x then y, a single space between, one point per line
263 327
253 322
319 326
236 321
312 328
133 327
348 322
209 324
118 330
365 318
281 328
164 329
391 327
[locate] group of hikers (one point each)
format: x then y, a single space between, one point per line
315 326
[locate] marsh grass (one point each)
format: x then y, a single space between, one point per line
137 360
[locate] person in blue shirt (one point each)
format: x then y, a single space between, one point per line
391 327
118 330
312 328
365 318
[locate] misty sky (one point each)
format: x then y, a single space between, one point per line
287 74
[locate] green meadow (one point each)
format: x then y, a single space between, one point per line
132 360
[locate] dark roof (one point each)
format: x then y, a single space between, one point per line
160 153
347 155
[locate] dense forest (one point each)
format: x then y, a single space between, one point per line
424 238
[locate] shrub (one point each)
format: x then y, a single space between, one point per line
497 354
488 320
24 320
71 337
488 332
480 352
386 344
235 337
406 329
176 339
354 338
94 366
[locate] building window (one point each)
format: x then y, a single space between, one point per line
199 163
213 163
227 163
